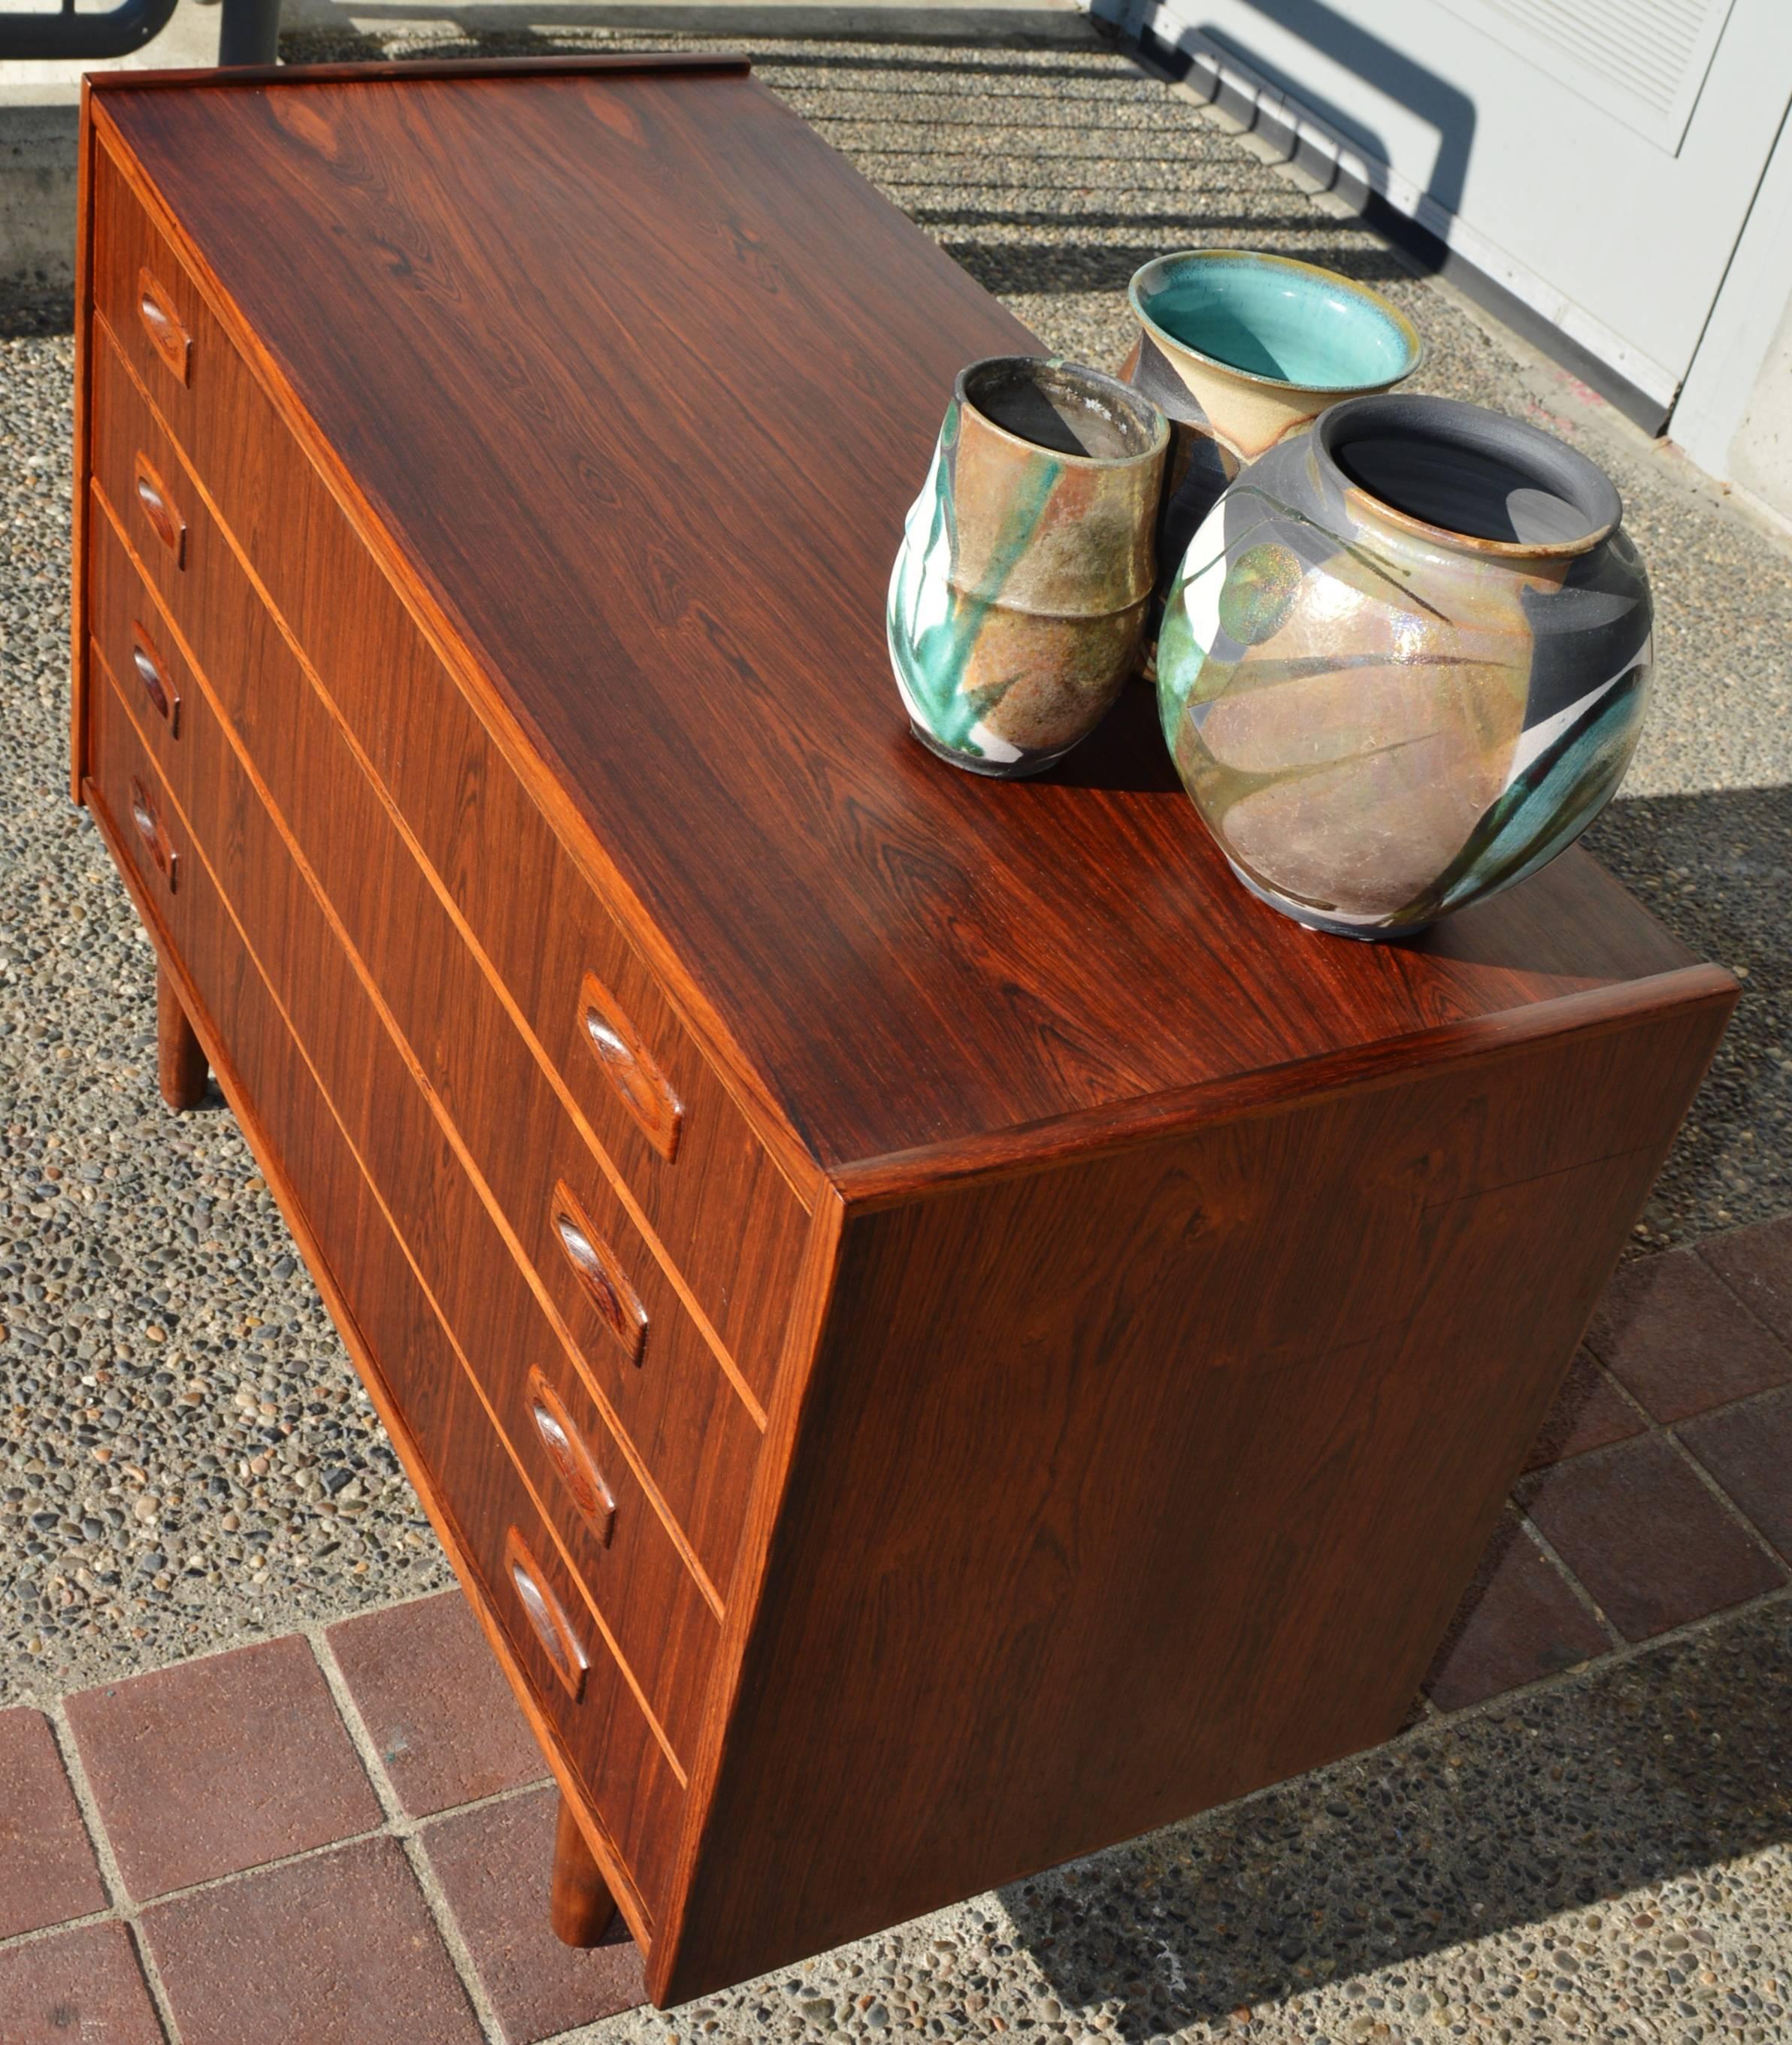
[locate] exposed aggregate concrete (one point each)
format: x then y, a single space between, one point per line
185 1457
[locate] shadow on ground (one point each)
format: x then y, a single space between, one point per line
1002 267
1707 865
1674 1763
998 28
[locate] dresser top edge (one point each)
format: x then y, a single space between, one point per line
240 77
933 1170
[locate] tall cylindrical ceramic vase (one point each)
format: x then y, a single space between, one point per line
1019 594
1404 663
1240 348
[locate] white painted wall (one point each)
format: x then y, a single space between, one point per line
1734 416
1761 449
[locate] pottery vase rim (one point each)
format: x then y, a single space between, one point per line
1267 259
1581 481
1120 394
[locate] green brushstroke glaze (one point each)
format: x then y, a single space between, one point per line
933 659
1186 669
1372 564
1260 589
1178 656
1545 808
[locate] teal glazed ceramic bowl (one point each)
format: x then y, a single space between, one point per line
1272 322
1241 349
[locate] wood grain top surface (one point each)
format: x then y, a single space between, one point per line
640 378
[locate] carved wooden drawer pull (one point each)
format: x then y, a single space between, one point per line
154 676
571 1456
156 503
155 838
630 1067
168 335
546 1616
600 1274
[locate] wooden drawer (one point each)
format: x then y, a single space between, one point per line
124 787
695 1439
156 502
636 1791
731 1222
152 305
633 1575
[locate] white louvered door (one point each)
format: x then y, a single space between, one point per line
1644 62
1597 157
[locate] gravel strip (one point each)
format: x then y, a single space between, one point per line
186 1458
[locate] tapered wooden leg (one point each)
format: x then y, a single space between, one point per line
180 1063
582 1906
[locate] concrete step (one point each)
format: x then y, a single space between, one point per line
39 115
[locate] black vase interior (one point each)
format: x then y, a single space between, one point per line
1470 472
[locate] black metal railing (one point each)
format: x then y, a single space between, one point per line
248 33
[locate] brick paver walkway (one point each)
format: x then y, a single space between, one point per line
341 1837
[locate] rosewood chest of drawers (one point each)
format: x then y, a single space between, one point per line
938 1334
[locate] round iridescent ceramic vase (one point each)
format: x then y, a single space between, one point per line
1018 598
1404 662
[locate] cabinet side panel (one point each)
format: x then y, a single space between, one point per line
1128 1488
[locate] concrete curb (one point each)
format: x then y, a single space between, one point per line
37 166
40 128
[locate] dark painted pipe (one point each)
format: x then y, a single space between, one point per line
125 28
248 34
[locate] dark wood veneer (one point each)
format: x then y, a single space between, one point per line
582 1907
181 1071
937 1332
